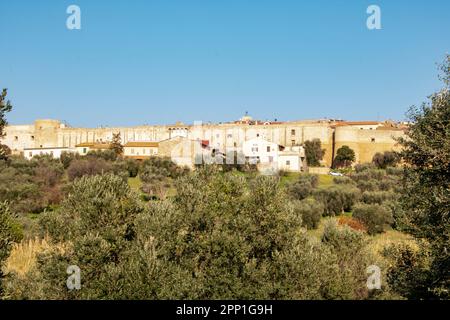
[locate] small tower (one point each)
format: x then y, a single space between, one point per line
246 118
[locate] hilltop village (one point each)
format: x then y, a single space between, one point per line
262 142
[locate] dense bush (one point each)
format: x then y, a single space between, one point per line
360 167
10 232
158 168
90 167
337 199
132 167
303 187
95 228
377 197
31 186
368 174
386 159
349 249
394 171
221 237
374 216
107 155
310 211
157 189
67 158
343 180
368 185
407 275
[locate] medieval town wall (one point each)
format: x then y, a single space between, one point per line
364 140
366 143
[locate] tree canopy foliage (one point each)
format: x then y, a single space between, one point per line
314 152
345 156
5 107
426 151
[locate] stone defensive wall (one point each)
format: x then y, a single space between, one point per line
366 143
365 138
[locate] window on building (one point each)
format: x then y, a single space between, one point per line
16 138
30 154
292 132
257 134
288 162
84 150
270 159
268 148
229 136
293 142
132 151
143 151
32 138
373 139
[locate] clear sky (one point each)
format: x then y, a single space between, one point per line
159 61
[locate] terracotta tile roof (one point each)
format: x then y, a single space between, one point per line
93 145
358 123
141 144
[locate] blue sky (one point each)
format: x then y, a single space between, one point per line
158 61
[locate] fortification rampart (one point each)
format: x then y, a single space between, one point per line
365 139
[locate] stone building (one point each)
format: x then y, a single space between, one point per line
365 138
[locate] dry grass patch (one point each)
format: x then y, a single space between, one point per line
23 255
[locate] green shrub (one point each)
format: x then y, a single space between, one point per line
132 167
408 270
300 190
310 211
374 216
313 179
343 180
364 166
100 203
107 155
67 158
88 167
367 185
394 171
386 159
368 174
10 232
337 199
303 186
31 186
159 168
377 197
348 246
